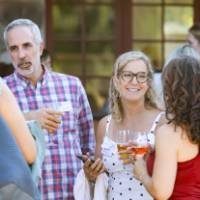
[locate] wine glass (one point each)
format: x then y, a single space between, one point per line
140 141
57 106
121 138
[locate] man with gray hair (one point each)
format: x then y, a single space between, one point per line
193 37
183 50
57 101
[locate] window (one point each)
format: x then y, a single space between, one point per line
86 36
159 26
83 44
11 10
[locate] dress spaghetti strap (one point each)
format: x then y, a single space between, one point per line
156 121
108 120
151 133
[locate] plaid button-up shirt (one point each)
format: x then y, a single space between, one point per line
75 134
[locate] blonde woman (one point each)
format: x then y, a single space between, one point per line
133 107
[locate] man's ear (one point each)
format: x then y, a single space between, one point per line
41 47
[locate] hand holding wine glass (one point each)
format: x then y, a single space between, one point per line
131 144
53 119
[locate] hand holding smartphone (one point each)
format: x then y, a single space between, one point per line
84 158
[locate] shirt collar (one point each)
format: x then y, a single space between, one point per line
26 82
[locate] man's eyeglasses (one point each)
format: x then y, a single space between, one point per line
128 76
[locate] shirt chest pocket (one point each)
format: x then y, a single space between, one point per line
69 120
67 133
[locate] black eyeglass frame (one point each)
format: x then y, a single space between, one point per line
136 75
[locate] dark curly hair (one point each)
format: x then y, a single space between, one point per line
181 84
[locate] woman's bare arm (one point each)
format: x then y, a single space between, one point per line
161 184
12 115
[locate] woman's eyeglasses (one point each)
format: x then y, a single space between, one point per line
128 76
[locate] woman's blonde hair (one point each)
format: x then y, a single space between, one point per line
114 96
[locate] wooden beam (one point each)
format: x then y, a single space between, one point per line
123 26
48 25
196 11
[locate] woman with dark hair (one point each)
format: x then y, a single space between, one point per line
172 171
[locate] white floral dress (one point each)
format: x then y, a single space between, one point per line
122 184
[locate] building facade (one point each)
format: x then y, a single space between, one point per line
85 36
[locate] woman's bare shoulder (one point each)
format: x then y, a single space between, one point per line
162 119
102 123
168 130
101 127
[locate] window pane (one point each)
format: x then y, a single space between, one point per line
97 91
153 51
66 20
169 47
66 46
20 9
14 9
147 1
99 21
147 22
177 21
67 57
67 64
100 59
180 1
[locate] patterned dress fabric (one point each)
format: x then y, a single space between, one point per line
122 184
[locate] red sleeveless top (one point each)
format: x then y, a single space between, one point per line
187 183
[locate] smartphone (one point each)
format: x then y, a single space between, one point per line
81 157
